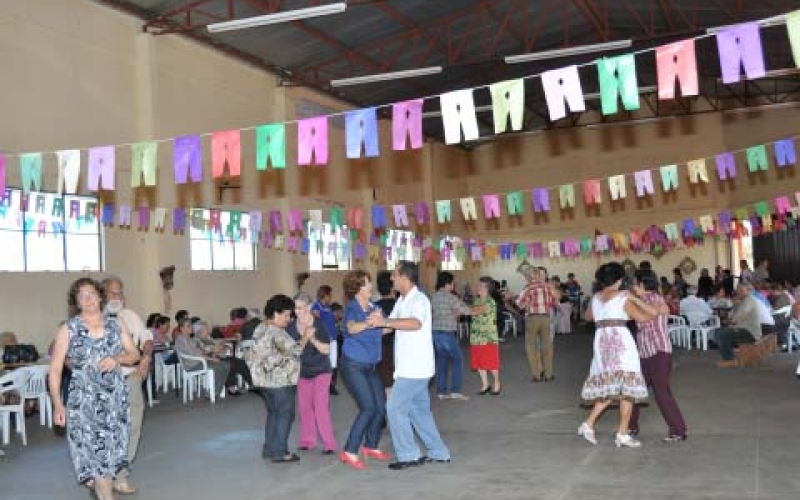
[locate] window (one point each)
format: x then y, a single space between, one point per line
402 245
329 248
231 249
452 261
742 249
55 233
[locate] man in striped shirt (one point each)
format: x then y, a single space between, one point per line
655 351
536 301
446 308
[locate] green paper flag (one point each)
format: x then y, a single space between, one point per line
522 251
793 27
757 158
514 203
336 217
508 98
762 208
271 145
143 162
617 76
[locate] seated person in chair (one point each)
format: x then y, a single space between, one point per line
693 308
744 326
223 351
187 346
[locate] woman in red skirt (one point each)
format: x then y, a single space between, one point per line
483 338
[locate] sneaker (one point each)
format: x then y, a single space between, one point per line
442 397
587 433
459 397
627 441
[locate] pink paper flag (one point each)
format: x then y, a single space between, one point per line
491 206
677 60
407 123
312 140
296 220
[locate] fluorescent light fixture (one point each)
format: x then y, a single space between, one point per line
654 119
278 17
748 109
569 51
764 23
642 90
434 114
381 77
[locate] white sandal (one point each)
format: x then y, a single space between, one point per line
627 441
587 433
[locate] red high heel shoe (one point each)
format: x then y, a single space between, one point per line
376 454
355 463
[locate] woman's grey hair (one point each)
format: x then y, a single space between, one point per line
303 297
198 326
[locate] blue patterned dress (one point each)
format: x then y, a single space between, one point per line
97 409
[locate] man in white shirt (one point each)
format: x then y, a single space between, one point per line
409 405
134 375
695 308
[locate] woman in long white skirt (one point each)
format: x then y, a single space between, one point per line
615 373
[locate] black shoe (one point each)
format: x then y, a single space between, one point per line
497 392
328 452
333 391
674 438
484 392
234 393
536 379
304 448
405 465
429 460
291 457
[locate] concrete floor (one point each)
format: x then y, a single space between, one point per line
744 443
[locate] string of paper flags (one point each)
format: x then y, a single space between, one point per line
738 46
291 231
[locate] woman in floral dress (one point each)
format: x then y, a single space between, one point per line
484 350
97 414
615 373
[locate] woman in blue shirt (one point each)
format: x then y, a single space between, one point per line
361 354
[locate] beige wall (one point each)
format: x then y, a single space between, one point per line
81 75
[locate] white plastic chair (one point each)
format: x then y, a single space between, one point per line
791 332
36 388
509 324
166 376
197 379
679 333
703 327
15 381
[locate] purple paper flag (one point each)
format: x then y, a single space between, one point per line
124 218
312 140
179 219
378 217
421 212
541 200
491 206
360 251
407 123
536 250
101 169
275 221
256 220
74 209
740 46
291 244
187 158
725 219
726 166
266 239
785 153
305 246
144 217
783 205
108 214
688 228
400 215
361 128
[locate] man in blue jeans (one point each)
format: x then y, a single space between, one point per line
446 308
409 406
